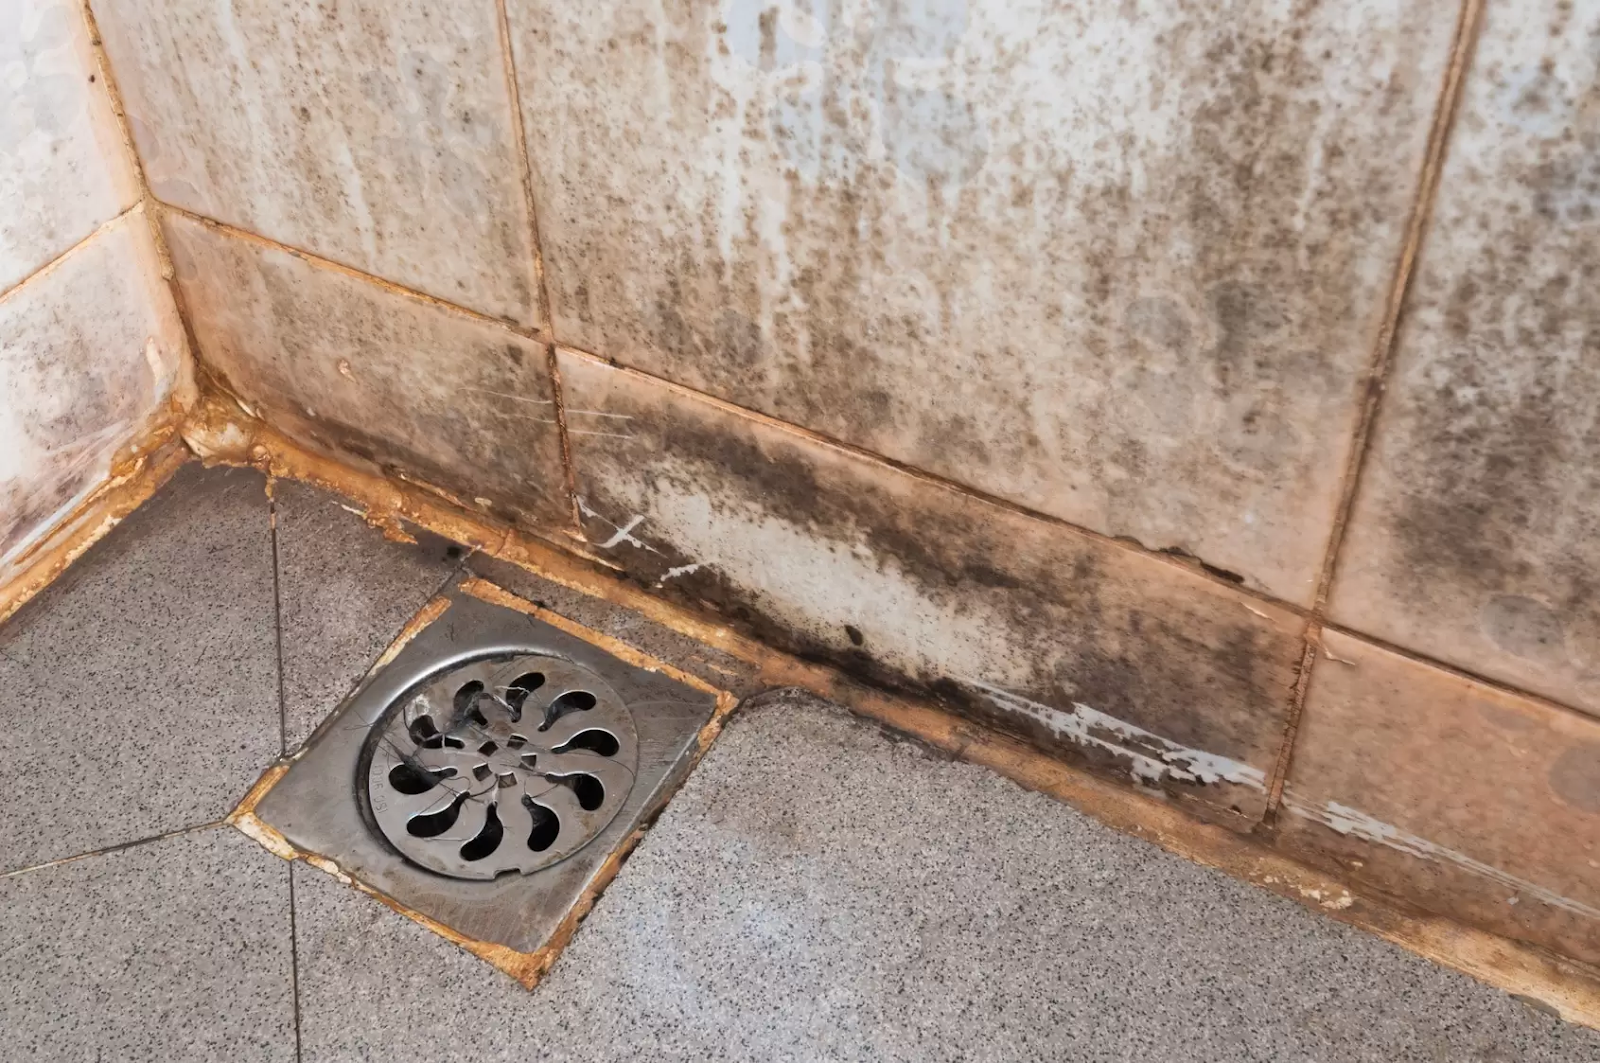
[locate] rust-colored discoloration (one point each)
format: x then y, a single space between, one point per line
1144 308
1089 648
1569 987
134 478
488 592
429 393
1475 538
414 627
1468 801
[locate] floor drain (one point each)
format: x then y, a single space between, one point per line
501 766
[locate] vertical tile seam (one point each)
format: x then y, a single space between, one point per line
294 960
152 206
1469 22
277 616
519 134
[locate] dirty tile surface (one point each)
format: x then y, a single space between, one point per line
140 691
429 392
344 592
63 170
1483 805
1146 667
89 352
1476 535
819 891
377 133
1122 264
179 950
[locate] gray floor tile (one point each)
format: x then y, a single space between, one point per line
820 891
346 591
178 949
139 693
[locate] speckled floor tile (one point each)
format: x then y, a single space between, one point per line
345 592
175 950
821 891
140 692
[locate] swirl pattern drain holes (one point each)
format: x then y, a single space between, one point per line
500 766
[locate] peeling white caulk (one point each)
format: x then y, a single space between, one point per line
680 570
1152 757
624 532
1350 821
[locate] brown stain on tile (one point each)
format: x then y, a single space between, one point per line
220 433
1475 536
920 271
135 476
1089 623
1473 803
409 384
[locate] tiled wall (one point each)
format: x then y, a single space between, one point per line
1047 358
91 346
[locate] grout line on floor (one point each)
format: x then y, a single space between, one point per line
277 620
294 962
117 848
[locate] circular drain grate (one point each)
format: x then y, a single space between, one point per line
501 765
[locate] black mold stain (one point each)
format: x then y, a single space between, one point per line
1195 673
940 333
1491 450
461 406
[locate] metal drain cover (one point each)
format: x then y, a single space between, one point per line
501 765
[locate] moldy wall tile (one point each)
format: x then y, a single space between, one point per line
1143 666
419 388
1121 264
90 350
63 170
377 134
1478 804
1476 534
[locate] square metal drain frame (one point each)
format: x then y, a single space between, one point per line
318 806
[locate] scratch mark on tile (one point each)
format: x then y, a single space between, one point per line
507 395
1153 758
1348 821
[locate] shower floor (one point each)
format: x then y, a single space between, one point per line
819 889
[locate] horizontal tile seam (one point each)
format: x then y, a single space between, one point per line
1125 545
117 848
1163 559
50 266
536 335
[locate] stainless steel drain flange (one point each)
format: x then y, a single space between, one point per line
501 765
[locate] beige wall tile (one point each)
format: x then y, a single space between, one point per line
1476 535
1119 264
1145 667
356 367
1473 802
90 350
63 168
377 134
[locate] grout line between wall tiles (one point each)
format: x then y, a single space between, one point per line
147 199
1468 23
50 266
519 134
1183 562
311 258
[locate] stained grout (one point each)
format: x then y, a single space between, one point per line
1468 24
117 848
294 960
49 267
277 619
537 335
